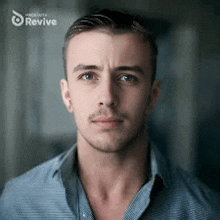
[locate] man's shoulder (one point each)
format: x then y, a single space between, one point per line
188 181
40 173
30 182
193 192
179 180
34 193
184 194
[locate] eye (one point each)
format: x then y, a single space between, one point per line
128 78
87 76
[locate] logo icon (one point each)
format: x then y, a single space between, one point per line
17 19
32 19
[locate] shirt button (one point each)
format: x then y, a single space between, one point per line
84 215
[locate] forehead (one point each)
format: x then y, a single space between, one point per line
105 46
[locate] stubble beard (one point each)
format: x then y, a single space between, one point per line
123 144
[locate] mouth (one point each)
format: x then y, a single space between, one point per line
107 122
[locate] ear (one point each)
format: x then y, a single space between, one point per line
154 95
66 95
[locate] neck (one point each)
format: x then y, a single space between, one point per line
110 174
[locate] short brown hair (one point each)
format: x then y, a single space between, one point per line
116 22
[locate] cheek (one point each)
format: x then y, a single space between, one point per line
137 102
80 112
140 107
81 103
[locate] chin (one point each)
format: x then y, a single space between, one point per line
113 145
108 148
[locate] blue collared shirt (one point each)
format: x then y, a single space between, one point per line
53 190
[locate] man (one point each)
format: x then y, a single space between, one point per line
112 172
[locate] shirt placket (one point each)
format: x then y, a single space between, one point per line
84 210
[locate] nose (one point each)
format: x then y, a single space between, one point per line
108 93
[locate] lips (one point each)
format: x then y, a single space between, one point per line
107 122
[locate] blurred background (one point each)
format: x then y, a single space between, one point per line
35 126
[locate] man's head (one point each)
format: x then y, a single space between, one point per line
109 88
114 22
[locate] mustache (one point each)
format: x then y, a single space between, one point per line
106 113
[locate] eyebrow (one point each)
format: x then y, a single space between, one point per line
135 68
85 67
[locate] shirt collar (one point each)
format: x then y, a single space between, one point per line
159 165
66 161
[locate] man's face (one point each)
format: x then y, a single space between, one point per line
109 88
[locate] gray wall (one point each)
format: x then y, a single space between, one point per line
35 124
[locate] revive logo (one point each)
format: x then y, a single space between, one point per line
32 19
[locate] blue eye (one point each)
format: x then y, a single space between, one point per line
127 78
88 76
